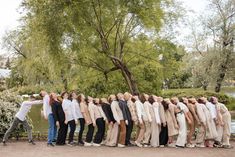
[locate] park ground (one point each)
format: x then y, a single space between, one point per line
23 149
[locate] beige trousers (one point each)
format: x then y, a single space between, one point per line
219 129
122 133
226 128
141 128
155 131
112 135
200 138
147 133
191 129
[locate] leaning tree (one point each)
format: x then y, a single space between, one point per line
103 34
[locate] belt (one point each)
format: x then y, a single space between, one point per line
181 112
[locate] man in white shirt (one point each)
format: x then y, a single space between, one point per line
140 114
20 117
48 115
211 107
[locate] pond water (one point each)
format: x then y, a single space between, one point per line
39 123
233 126
231 94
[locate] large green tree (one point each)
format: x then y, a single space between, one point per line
95 46
104 35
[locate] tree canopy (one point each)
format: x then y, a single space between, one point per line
95 46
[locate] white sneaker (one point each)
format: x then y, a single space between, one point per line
189 145
172 145
146 146
121 145
154 146
138 144
200 145
103 142
70 144
96 145
86 144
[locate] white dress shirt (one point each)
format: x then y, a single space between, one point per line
46 106
183 107
68 110
76 109
212 109
117 112
147 105
25 108
140 110
156 109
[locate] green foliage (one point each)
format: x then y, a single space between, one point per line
71 45
9 105
35 89
2 85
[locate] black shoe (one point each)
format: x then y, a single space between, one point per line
227 147
129 144
4 143
81 143
217 145
50 145
179 146
54 141
32 142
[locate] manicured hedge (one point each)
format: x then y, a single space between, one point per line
223 98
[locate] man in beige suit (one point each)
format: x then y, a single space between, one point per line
118 116
147 119
200 139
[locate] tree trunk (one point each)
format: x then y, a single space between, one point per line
64 80
204 86
220 79
227 51
129 78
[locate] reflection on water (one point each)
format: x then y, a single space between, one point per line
233 127
39 123
231 94
233 124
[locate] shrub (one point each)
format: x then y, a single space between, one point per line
9 105
30 89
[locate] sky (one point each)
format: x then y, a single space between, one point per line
9 18
9 15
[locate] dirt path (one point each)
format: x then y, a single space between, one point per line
23 149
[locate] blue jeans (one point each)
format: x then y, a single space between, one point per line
52 130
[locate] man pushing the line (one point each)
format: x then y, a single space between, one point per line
20 117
